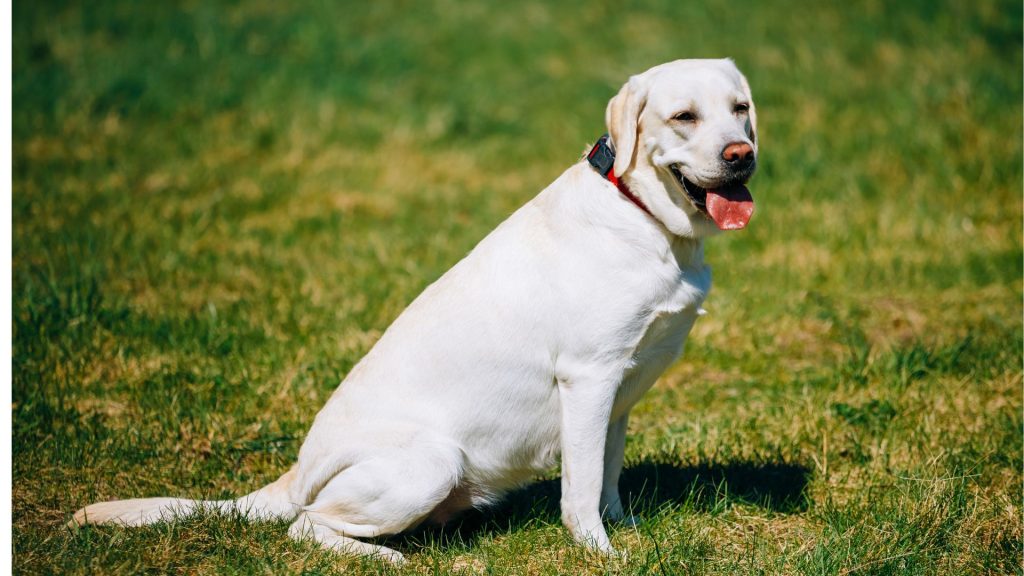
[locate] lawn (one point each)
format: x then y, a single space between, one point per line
218 208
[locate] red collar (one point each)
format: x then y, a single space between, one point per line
602 158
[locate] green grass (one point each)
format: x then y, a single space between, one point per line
219 208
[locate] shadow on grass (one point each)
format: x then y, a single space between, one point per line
646 488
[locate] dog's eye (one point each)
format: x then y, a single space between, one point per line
685 117
741 108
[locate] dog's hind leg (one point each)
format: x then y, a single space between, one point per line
388 493
307 528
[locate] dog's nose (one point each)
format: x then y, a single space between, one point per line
738 155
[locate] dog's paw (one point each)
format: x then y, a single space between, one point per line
385 554
616 515
612 511
622 556
613 557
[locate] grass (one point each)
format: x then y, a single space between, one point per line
218 208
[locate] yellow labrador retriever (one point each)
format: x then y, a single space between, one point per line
534 346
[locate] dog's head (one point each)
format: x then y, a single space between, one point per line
685 138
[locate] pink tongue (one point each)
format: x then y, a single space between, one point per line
730 207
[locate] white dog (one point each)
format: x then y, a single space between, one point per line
535 345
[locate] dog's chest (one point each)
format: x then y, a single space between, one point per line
671 316
668 323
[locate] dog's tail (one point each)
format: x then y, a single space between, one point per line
268 503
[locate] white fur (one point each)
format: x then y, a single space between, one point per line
535 345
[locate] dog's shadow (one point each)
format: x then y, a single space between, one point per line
646 488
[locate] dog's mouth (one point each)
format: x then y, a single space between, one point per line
729 205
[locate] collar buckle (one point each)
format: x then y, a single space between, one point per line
601 156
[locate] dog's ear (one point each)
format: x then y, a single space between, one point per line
623 117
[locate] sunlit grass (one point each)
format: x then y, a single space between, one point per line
219 208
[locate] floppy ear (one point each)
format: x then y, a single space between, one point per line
623 117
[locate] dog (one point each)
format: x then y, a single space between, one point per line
536 345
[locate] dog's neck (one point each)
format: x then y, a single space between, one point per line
602 158
686 251
682 243
686 248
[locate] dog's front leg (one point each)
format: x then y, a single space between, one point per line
586 408
614 453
